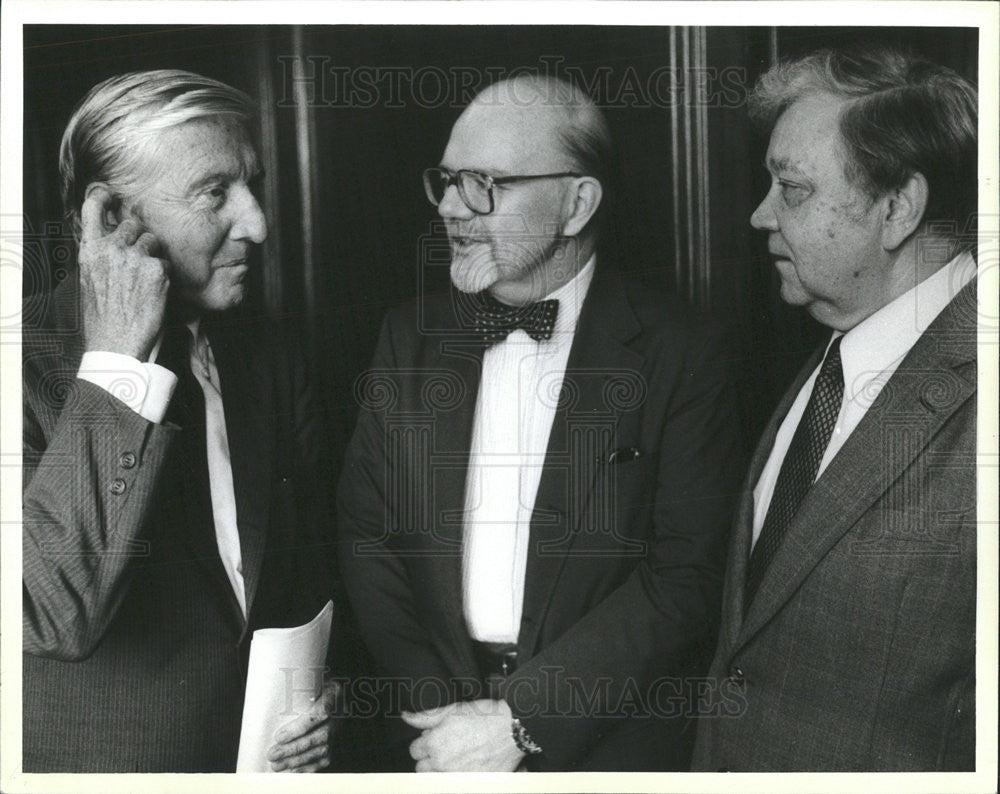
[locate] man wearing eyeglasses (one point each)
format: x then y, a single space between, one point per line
534 504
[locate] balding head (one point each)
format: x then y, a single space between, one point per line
544 122
545 147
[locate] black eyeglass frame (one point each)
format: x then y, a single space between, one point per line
453 179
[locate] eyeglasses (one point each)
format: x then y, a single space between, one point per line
474 188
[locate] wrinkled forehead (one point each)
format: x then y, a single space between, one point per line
198 147
508 138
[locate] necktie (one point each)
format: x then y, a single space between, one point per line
494 321
187 410
798 471
187 406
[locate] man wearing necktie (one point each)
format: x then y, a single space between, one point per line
848 625
169 449
534 504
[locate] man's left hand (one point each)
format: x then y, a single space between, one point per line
474 736
304 744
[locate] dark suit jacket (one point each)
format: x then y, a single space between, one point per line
135 646
858 651
623 572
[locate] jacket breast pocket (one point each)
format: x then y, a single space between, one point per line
622 500
627 473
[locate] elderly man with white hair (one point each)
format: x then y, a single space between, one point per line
168 449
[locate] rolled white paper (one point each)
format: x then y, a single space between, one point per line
284 677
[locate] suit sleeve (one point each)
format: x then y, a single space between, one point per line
376 579
638 648
90 467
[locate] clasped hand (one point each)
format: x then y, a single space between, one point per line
474 736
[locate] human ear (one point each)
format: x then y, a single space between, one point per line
111 204
584 203
904 211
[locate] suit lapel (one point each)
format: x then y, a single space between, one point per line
856 478
582 435
453 354
739 550
247 402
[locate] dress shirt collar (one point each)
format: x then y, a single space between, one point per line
570 296
878 343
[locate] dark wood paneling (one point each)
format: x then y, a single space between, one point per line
369 215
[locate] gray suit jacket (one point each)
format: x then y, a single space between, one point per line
858 651
135 647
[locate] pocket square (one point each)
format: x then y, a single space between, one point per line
623 455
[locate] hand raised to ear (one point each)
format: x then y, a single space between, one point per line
123 284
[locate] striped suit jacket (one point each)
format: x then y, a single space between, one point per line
134 644
858 650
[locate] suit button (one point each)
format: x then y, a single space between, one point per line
127 460
736 675
118 486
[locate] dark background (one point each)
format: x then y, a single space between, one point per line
346 210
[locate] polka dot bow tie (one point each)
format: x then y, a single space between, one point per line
495 320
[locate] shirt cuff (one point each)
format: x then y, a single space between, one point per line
145 388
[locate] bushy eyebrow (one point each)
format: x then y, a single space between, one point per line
256 174
208 179
783 165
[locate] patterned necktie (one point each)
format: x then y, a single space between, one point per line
798 471
494 321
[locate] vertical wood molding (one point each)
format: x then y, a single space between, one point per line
273 285
305 140
690 232
704 293
690 176
675 171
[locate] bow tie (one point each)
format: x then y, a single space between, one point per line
493 320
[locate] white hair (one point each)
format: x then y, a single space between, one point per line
111 127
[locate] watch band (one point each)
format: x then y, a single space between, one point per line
523 739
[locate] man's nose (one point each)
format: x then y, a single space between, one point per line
763 217
452 206
250 223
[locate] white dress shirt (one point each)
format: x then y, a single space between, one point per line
515 408
870 352
147 388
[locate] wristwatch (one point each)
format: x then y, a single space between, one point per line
523 739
